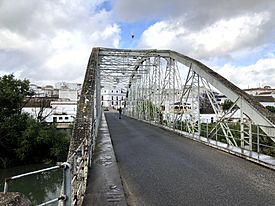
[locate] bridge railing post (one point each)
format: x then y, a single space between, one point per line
67 187
207 130
216 134
6 185
258 141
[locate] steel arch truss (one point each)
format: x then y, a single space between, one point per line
167 88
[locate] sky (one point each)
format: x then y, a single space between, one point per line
49 41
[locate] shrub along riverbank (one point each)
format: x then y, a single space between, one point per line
24 139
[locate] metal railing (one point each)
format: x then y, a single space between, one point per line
75 172
260 142
82 143
65 196
259 148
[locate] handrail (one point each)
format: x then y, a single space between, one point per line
27 174
65 196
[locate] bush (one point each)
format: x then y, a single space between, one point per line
24 139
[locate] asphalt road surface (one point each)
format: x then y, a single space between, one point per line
159 168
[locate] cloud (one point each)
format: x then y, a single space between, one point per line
11 40
238 44
196 13
259 74
52 40
216 40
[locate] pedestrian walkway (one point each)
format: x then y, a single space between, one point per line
104 183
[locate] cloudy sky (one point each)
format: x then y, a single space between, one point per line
50 40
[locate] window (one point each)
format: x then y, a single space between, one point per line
116 91
102 98
60 118
116 97
112 98
54 119
66 118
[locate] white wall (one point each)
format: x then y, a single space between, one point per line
62 118
65 107
33 111
65 110
68 94
268 104
113 97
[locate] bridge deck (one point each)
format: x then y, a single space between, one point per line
158 167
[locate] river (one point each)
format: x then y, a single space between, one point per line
38 188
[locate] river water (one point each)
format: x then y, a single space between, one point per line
38 188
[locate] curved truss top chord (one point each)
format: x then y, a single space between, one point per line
256 112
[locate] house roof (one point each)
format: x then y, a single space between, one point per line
39 101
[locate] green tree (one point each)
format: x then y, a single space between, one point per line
12 95
271 109
227 105
12 122
24 139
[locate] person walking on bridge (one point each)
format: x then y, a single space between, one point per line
119 111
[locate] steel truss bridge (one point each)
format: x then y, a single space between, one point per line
167 89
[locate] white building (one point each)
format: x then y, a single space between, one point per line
64 111
73 86
113 97
261 91
45 91
68 94
58 111
33 111
59 104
